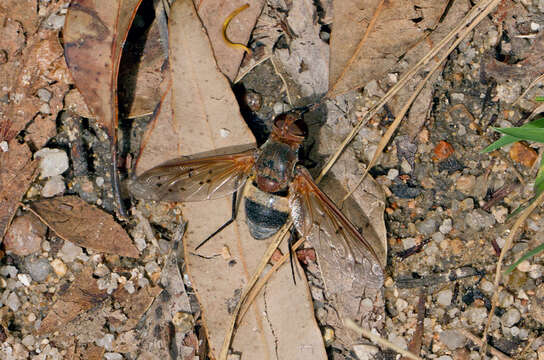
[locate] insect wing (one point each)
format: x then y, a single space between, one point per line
195 179
338 244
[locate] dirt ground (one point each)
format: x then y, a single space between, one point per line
442 209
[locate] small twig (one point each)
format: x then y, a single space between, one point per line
350 324
509 240
477 341
282 80
417 337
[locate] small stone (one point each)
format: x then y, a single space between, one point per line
444 297
536 271
505 299
392 174
523 154
457 97
25 235
38 269
442 151
467 204
280 108
101 270
444 357
55 21
510 317
452 339
477 315
13 302
465 184
401 304
25 279
69 252
99 181
129 287
44 95
408 243
53 186
9 270
438 237
106 342
59 267
31 317
183 321
446 226
500 213
45 108
405 166
28 341
224 132
365 352
108 283
398 340
113 356
524 266
427 226
479 220
328 335
4 146
52 162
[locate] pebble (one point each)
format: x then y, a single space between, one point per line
479 220
365 352
25 279
13 302
113 356
69 252
500 213
401 304
9 270
452 339
505 299
101 270
536 271
477 315
398 340
438 237
465 184
25 235
446 226
59 267
38 269
106 342
44 95
4 146
55 21
510 317
427 226
444 357
408 243
524 266
99 181
28 341
52 162
108 283
405 166
444 297
392 174
53 186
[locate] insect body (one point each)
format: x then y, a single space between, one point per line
277 188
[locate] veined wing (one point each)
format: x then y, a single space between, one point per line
195 178
334 238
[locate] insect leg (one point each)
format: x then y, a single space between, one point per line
229 221
292 238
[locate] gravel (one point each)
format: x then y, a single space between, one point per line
38 269
52 162
452 339
511 317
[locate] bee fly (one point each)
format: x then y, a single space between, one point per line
277 188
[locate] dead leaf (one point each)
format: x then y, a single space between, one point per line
213 13
82 295
144 67
203 109
369 37
85 352
94 33
85 225
133 305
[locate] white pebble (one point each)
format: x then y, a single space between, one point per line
224 132
4 146
25 279
53 186
52 162
392 174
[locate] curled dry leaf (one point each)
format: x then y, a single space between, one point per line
85 225
82 295
93 39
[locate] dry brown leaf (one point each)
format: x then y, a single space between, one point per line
369 36
82 295
33 61
85 352
85 225
206 117
145 67
93 37
133 305
213 13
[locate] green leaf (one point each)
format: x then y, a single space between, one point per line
539 98
539 181
525 256
530 134
507 139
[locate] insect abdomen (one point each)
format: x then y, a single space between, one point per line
265 213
